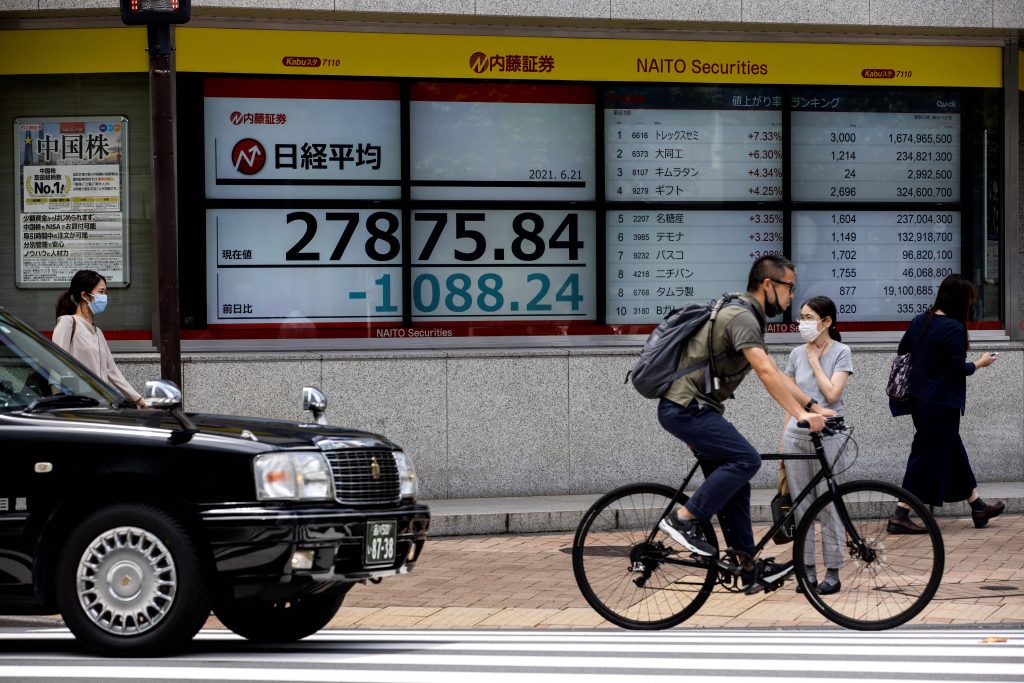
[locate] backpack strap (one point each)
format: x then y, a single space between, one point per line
712 380
74 326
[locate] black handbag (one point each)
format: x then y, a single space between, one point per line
781 504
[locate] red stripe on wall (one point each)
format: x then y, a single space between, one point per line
292 89
119 335
475 328
502 92
478 328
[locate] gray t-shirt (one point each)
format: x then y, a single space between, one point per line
837 358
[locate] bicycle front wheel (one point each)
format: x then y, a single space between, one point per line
886 581
630 581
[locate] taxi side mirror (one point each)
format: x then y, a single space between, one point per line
315 402
162 393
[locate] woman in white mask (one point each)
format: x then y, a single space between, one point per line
820 367
77 334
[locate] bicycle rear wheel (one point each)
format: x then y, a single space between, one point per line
629 581
888 583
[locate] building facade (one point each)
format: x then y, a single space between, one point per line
461 220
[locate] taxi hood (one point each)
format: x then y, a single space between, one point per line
252 431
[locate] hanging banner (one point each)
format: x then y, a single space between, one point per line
71 193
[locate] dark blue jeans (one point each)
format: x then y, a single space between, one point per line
728 462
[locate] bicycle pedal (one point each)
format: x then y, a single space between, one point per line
759 586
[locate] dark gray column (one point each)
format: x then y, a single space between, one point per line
1013 247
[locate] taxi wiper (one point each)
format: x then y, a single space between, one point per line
61 401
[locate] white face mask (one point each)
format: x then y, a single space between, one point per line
809 330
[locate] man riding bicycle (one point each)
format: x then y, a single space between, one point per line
692 410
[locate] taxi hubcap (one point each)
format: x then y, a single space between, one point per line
126 581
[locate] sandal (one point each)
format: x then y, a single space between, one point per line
800 588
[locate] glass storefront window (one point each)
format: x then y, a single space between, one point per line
383 208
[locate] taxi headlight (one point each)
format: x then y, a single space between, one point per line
293 476
408 484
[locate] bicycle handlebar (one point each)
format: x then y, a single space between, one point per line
833 424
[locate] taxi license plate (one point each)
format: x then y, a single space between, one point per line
380 542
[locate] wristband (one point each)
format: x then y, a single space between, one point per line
810 403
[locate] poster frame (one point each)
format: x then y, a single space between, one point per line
18 130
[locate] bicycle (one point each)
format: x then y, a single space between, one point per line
637 577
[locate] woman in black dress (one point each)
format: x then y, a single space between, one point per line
938 470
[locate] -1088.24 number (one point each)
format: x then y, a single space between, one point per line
459 292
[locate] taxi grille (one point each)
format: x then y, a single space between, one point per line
354 483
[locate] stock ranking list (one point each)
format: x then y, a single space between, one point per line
855 147
657 260
673 144
876 265
876 156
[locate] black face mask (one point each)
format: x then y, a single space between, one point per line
772 308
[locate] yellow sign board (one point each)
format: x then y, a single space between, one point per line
327 53
583 59
73 51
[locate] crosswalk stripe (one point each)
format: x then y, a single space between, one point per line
641 663
378 675
709 656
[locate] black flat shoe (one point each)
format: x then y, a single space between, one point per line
982 516
800 588
900 525
829 585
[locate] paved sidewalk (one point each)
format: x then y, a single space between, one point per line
522 581
526 581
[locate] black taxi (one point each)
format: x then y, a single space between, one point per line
134 524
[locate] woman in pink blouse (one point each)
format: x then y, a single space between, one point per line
77 334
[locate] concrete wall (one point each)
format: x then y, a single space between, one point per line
550 422
972 14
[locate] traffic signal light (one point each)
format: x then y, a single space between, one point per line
155 11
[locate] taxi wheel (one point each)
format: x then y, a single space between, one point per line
282 621
130 583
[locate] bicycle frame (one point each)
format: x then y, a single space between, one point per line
824 473
637 578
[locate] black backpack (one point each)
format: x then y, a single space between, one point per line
658 365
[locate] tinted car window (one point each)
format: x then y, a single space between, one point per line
32 369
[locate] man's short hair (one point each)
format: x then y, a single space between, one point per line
769 266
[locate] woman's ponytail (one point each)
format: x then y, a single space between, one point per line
66 304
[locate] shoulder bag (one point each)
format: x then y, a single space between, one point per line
898 386
781 504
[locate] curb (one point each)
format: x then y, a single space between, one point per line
537 514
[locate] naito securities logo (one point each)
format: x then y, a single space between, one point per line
481 63
239 118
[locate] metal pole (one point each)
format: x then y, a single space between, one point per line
1013 202
165 209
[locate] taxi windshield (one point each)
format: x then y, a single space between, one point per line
36 375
